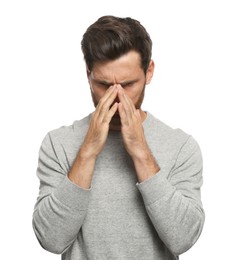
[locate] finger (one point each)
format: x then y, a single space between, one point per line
122 114
126 102
108 93
106 102
110 113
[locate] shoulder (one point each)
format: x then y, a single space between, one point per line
68 133
162 131
66 130
168 137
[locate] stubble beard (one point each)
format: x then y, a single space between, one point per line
115 123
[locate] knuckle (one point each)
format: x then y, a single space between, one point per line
102 100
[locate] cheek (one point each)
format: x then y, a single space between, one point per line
134 94
134 97
98 93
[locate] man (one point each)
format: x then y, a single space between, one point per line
118 184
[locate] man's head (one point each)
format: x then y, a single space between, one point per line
118 51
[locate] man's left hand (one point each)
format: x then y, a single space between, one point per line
134 138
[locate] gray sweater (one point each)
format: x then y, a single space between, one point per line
118 218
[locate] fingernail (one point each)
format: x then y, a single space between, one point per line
112 88
120 89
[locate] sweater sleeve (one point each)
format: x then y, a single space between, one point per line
173 202
61 205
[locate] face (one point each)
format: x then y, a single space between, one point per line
125 71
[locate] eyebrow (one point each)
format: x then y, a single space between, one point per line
124 83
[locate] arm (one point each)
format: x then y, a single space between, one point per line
174 205
61 205
64 197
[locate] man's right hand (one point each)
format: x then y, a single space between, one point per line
99 124
81 172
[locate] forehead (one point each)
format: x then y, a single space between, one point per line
125 67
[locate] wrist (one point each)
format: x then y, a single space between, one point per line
86 153
81 172
146 166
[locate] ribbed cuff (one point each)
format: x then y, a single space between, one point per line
154 188
72 195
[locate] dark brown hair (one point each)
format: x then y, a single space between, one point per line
110 37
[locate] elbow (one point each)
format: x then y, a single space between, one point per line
183 241
48 243
52 247
180 247
55 249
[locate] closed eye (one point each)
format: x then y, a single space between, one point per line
102 85
128 84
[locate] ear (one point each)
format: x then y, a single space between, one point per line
150 72
88 72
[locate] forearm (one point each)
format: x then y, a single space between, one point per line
81 172
145 165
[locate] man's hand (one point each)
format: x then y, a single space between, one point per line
81 172
99 124
134 138
132 130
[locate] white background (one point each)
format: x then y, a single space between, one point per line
43 86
